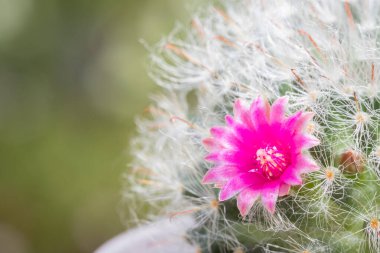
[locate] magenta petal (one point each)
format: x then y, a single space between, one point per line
306 165
260 110
269 198
242 115
291 177
229 156
235 185
283 190
219 174
246 199
277 112
229 120
305 141
218 132
303 120
291 122
238 110
211 144
212 157
297 122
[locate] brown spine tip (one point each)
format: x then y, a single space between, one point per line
224 14
173 119
225 41
198 28
298 78
313 42
350 17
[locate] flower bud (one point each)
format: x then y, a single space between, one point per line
351 162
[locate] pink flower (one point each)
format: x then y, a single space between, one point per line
260 152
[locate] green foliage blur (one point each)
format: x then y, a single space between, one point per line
72 79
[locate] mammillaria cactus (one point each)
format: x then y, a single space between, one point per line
267 129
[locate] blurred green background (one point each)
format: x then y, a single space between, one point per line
72 78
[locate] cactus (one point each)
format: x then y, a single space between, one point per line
266 131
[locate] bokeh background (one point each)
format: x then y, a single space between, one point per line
72 79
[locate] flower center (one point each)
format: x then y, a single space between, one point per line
271 162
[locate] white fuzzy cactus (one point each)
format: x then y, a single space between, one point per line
324 57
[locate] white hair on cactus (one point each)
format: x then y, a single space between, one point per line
324 56
364 220
303 245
